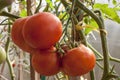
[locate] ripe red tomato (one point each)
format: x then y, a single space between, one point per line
46 62
17 36
78 61
42 30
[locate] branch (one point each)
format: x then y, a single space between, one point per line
38 7
4 13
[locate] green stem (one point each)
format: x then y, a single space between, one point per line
99 59
8 59
92 75
4 13
94 50
81 33
115 59
73 22
99 65
38 7
42 77
102 34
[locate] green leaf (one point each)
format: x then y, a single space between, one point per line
23 2
50 3
57 0
62 14
114 2
92 25
108 12
23 13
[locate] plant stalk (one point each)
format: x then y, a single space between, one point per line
7 58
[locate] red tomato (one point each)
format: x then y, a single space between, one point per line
78 61
46 62
42 30
17 36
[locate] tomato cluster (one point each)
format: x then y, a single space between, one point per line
37 34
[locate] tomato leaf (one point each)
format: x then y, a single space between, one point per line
108 11
92 25
50 3
114 2
23 13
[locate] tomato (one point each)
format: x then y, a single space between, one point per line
42 30
78 61
17 36
2 55
46 62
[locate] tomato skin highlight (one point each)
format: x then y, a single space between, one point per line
42 30
46 62
78 61
17 37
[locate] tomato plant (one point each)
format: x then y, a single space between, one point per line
2 55
78 61
46 62
42 30
17 36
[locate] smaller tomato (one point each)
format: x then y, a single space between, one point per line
78 61
2 55
46 62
